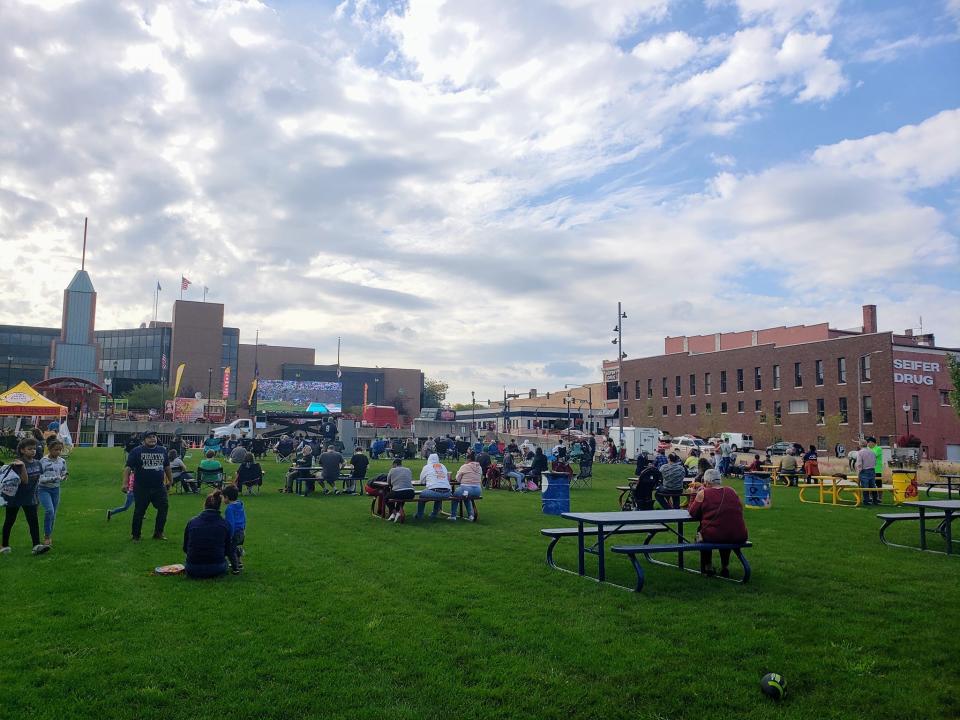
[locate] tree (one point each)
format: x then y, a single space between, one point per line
399 402
145 396
831 429
710 425
954 366
434 392
466 406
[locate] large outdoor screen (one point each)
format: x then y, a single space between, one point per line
302 397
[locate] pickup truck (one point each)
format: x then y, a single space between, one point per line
238 427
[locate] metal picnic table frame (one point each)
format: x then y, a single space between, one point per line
950 479
948 507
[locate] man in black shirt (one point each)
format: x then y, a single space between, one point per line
151 477
359 461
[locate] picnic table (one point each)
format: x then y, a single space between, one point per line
947 507
950 480
613 521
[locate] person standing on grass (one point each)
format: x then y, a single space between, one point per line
811 465
878 465
27 469
399 487
866 474
206 542
720 513
53 472
470 478
726 457
150 468
436 478
127 487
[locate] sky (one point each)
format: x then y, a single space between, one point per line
471 187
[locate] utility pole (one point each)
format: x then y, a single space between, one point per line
618 341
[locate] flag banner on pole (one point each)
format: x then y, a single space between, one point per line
226 382
163 361
339 372
184 283
158 286
253 390
176 385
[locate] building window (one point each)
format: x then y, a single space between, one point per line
665 393
679 409
798 407
663 410
706 383
757 405
739 406
757 379
693 384
776 377
818 372
842 408
693 409
626 411
636 389
915 408
797 375
867 409
676 387
777 413
821 410
762 419
740 380
649 388
841 371
626 390
723 408
944 397
649 410
723 381
864 368
708 409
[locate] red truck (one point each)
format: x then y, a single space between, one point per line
381 416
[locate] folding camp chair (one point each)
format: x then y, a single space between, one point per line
214 478
584 478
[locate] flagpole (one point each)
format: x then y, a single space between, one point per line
256 374
181 287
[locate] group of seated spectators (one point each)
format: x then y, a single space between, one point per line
248 474
329 463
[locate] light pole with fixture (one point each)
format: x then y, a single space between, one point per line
473 413
618 341
589 403
906 411
9 366
209 391
860 368
506 409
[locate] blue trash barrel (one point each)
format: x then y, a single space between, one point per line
555 492
756 490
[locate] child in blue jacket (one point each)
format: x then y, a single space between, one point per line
236 518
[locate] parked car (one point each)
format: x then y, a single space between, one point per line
780 448
683 445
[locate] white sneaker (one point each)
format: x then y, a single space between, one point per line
6 550
391 518
40 549
396 518
471 518
452 517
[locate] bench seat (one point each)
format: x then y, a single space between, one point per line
891 518
559 533
420 500
647 550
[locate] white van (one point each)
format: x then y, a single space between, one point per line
738 441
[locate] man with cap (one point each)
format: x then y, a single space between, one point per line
150 467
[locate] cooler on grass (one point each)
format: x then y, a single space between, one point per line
555 491
756 490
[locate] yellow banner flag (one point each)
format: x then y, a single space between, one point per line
176 385
253 389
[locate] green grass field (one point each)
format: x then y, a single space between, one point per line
340 615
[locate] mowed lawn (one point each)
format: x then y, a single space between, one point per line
339 614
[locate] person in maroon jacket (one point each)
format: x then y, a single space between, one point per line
720 513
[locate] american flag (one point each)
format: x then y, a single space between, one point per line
163 361
184 283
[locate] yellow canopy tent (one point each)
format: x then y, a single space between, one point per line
22 399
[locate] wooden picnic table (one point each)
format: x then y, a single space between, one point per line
947 507
614 520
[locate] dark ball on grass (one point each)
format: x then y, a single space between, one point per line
773 686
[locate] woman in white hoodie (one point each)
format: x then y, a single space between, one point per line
437 480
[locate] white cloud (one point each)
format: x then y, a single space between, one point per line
915 156
785 13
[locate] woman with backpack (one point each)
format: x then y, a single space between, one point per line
18 485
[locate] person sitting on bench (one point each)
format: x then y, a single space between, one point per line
510 471
400 487
788 467
301 469
756 465
248 474
359 462
720 513
437 480
668 494
470 477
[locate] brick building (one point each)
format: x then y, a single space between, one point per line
811 384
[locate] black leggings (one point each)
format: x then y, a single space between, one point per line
399 495
706 558
32 522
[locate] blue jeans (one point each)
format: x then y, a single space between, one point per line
50 499
126 505
868 479
465 492
203 571
518 476
442 494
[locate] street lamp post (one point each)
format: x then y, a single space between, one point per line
859 390
568 400
9 367
906 411
209 392
473 412
113 393
618 341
